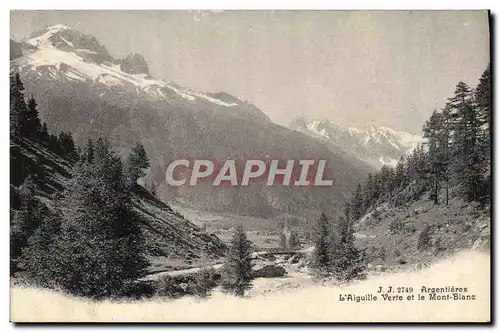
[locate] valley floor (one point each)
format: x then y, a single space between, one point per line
294 297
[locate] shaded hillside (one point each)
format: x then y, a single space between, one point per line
82 89
167 233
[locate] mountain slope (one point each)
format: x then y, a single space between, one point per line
63 54
82 89
420 232
167 233
377 146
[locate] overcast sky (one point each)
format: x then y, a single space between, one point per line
389 68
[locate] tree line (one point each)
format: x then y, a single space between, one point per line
88 241
454 160
335 254
25 123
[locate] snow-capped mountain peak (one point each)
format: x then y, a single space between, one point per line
63 54
378 145
44 36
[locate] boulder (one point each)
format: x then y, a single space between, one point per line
269 271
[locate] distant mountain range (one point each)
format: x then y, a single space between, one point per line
81 88
376 145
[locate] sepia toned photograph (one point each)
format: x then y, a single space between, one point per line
250 166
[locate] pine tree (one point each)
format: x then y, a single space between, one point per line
100 247
237 269
357 205
466 158
17 104
283 242
31 121
88 154
25 220
386 177
293 241
399 174
482 99
67 146
38 259
322 260
444 137
137 163
347 260
44 133
435 167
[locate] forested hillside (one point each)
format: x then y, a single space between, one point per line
79 220
437 200
454 162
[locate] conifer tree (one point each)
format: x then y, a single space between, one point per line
386 176
431 130
283 242
31 126
237 269
347 260
100 247
357 205
17 104
67 146
444 137
293 241
44 133
25 220
482 99
137 163
399 174
322 260
38 258
88 154
466 159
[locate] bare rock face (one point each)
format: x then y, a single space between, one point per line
269 271
134 63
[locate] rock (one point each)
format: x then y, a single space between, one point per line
134 64
269 271
380 268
